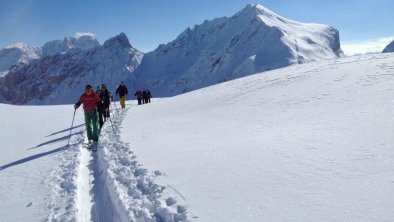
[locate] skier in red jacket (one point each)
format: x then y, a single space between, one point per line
89 100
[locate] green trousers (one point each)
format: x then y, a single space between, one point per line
91 122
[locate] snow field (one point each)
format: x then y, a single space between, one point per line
131 187
309 142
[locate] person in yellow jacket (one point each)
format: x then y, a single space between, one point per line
122 91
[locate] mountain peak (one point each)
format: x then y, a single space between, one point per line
120 40
389 48
256 10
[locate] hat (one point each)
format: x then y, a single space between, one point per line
88 86
103 86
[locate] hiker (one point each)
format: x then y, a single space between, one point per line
100 108
122 91
149 95
89 99
106 98
144 96
138 94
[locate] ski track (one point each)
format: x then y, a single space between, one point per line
109 185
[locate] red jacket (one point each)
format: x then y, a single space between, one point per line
89 102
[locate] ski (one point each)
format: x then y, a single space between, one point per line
94 147
90 146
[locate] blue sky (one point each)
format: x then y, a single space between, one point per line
362 23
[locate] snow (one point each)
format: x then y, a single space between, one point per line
309 142
33 138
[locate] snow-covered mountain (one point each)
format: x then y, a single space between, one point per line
389 48
22 54
84 42
253 40
15 54
61 78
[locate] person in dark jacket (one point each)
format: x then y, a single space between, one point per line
89 99
100 108
138 94
149 95
144 97
106 98
122 91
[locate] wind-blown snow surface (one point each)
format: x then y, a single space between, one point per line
310 142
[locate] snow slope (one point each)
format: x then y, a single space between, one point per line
32 141
310 142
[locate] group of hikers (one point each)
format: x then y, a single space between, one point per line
143 96
96 106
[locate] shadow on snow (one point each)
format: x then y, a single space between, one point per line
55 140
30 158
65 130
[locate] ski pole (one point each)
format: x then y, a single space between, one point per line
72 124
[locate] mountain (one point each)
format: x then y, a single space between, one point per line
18 53
253 40
22 54
83 42
61 78
389 48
